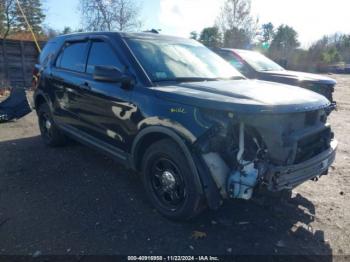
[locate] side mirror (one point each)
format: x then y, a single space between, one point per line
113 75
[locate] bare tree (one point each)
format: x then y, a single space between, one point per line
236 23
12 20
235 14
108 15
7 17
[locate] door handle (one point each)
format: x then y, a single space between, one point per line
85 86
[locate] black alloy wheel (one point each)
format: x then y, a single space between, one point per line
170 184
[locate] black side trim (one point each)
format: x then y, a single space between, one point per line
103 147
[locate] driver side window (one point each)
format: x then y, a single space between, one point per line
101 54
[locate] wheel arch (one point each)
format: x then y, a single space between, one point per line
39 99
152 134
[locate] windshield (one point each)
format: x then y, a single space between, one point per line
166 60
259 62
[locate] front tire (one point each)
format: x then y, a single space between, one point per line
50 133
169 182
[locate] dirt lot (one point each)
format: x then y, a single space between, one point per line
73 200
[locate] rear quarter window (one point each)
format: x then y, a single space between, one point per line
47 52
73 57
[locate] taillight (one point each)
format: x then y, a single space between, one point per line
35 77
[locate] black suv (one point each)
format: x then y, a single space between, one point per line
254 65
195 128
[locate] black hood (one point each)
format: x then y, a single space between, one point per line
245 96
297 77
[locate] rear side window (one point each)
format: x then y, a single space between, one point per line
101 54
73 57
48 51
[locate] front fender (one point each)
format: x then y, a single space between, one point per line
203 179
174 136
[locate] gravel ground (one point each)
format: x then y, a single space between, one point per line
73 200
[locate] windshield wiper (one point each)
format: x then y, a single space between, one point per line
270 69
196 79
185 79
237 78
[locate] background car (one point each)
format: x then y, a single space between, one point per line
254 65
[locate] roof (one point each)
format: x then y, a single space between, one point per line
142 35
153 36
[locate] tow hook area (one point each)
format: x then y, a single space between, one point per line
238 183
241 182
281 152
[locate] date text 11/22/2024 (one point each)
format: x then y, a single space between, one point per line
173 258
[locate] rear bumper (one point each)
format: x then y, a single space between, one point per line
289 177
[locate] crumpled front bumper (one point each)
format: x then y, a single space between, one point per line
332 107
15 106
289 177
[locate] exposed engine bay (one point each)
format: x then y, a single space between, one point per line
276 151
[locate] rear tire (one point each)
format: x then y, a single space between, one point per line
169 182
50 133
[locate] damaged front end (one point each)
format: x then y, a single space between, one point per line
326 89
245 152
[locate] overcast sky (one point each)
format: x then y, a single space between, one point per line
311 18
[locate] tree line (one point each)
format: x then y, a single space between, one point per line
12 21
235 27
96 15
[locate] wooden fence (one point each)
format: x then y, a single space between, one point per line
17 60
